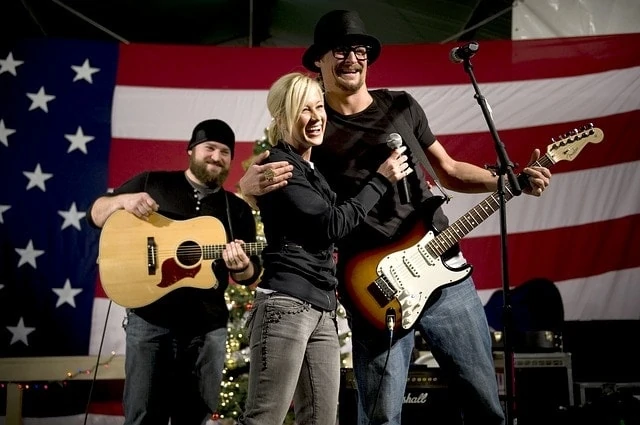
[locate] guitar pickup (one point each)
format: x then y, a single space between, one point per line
382 291
410 267
152 256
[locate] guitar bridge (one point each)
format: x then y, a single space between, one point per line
152 256
382 291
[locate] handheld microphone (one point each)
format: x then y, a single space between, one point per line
464 52
394 141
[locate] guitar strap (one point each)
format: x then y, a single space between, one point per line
226 201
399 122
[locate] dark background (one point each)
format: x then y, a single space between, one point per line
251 22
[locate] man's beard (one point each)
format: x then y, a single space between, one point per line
348 86
208 178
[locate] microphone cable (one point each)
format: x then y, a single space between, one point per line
97 366
391 324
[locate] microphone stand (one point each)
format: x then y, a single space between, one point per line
503 167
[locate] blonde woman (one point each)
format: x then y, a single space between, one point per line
295 352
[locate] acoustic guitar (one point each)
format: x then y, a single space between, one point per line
141 261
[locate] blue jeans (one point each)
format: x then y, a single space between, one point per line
295 356
170 375
455 327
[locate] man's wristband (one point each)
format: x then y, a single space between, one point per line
241 270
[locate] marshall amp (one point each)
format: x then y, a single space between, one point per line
426 396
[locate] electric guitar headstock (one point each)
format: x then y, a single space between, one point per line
572 143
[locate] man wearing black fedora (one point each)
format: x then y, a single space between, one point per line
175 345
358 128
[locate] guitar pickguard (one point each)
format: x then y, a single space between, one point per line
415 274
172 272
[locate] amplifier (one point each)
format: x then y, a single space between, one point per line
543 387
420 377
426 393
594 392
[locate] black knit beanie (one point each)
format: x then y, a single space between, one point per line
213 131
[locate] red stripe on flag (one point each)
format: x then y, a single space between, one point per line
506 60
111 408
129 157
558 254
99 293
205 66
618 146
399 65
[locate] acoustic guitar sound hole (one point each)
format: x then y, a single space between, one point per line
189 253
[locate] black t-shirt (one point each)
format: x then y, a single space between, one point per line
353 148
192 309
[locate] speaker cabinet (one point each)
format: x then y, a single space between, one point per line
543 388
543 385
426 396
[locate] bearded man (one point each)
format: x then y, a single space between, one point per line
175 346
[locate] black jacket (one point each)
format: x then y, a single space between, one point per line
302 222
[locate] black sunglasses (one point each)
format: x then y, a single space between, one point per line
341 52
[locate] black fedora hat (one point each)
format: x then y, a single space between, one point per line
336 28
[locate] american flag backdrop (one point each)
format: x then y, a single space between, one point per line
55 130
78 118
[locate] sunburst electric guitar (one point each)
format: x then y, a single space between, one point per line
397 279
141 261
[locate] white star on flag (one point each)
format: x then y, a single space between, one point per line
3 208
84 72
9 65
78 140
5 133
72 217
37 178
40 99
29 255
66 294
20 332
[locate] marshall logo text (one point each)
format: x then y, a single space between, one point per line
419 399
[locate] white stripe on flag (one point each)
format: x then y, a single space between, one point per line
609 296
580 296
574 198
453 109
149 113
114 335
73 420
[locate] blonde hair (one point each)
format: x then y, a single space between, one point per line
286 100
